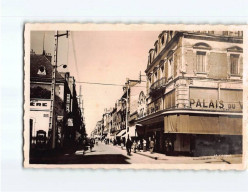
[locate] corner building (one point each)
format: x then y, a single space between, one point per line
195 93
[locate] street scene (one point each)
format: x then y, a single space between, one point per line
135 97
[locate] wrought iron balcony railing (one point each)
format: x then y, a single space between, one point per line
158 84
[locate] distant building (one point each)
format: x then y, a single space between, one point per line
194 93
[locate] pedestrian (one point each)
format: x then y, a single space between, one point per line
97 142
128 146
144 145
134 146
138 146
122 144
84 146
151 146
91 144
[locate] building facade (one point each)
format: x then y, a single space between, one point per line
68 118
194 93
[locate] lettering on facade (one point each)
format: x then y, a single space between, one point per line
39 104
215 104
68 101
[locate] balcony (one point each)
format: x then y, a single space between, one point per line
158 85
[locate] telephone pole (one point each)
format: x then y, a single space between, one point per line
52 117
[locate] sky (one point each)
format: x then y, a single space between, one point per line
99 57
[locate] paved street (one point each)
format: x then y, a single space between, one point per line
109 154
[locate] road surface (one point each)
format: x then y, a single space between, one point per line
109 154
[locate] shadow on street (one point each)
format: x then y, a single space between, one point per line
82 159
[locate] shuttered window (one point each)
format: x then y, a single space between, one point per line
234 59
201 61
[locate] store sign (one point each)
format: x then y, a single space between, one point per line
216 100
40 104
215 105
68 101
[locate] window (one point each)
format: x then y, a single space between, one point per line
234 60
201 61
162 69
41 70
225 33
162 40
170 67
156 76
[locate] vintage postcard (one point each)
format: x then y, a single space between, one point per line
136 96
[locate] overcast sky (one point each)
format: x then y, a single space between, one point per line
102 57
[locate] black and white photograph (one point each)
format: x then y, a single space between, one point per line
137 96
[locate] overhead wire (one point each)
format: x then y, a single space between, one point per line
75 56
110 84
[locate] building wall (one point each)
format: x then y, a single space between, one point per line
40 121
218 57
59 90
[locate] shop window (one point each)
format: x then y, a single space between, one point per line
201 61
234 60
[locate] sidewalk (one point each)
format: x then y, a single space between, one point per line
154 155
228 159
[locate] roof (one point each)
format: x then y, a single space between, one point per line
37 61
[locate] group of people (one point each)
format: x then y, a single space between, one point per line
138 145
86 143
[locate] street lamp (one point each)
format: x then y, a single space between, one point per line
64 65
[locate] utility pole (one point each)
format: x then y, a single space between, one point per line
52 117
127 111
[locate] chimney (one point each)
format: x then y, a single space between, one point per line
49 57
32 51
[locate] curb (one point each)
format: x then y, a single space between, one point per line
155 158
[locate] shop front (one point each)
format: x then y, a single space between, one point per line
203 134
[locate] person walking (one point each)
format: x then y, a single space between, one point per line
151 146
144 145
122 144
128 146
138 146
84 145
134 146
92 142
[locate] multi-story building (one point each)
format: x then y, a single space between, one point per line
40 100
136 88
194 92
68 121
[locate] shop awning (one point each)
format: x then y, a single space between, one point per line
121 133
203 124
132 131
114 133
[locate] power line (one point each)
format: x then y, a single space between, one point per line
110 84
74 54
